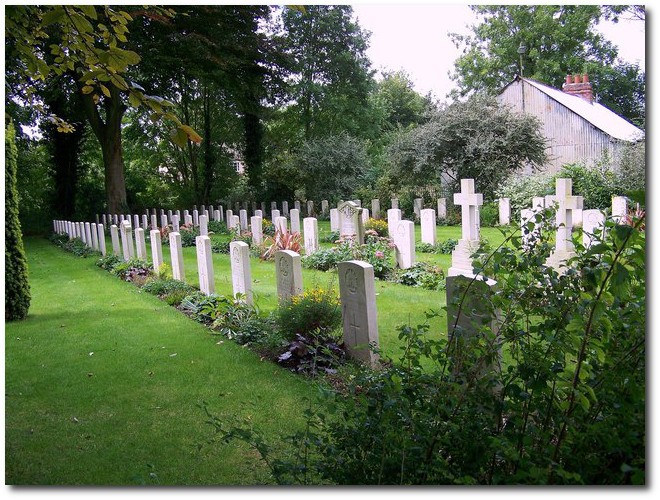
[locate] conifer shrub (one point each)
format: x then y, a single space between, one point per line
17 288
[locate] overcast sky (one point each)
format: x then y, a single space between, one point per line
414 37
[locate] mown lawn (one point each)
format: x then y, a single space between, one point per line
103 381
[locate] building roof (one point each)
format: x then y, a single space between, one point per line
596 114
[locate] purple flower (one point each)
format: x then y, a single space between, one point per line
380 254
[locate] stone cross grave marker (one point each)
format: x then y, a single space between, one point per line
358 303
176 252
311 235
505 211
351 226
427 218
461 260
566 204
288 270
592 221
205 265
156 249
241 277
404 239
256 226
114 236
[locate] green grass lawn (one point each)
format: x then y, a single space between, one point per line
103 381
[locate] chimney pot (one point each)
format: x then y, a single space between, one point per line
585 78
569 79
577 79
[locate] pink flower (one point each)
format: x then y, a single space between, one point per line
380 254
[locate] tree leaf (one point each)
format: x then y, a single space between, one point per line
179 137
191 134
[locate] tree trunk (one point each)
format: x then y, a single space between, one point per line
109 135
209 157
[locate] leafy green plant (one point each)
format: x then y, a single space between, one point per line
108 262
317 310
217 227
135 270
422 274
312 354
170 290
489 214
331 237
444 247
379 226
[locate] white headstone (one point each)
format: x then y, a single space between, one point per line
136 221
188 220
427 220
285 208
230 219
567 203
375 208
295 220
145 222
442 208
203 225
288 271
530 236
216 215
365 215
156 249
95 236
127 241
393 218
235 222
334 219
221 209
461 257
592 221
538 202
505 211
195 218
154 222
324 207
140 244
114 236
176 252
241 277
88 234
311 234
351 227
163 221
310 208
256 223
205 265
395 203
101 237
358 303
404 239
417 206
243 219
619 209
259 213
281 224
274 214
175 223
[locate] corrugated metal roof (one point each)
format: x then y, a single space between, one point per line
596 114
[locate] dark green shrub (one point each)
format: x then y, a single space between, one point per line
331 237
200 306
220 244
77 247
188 235
108 262
133 270
217 227
326 259
596 186
170 290
489 214
17 287
445 247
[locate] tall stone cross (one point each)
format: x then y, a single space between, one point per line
469 202
566 204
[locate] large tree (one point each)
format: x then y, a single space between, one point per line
476 139
84 43
551 41
331 77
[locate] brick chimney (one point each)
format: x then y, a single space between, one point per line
580 86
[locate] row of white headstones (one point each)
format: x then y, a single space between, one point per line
356 278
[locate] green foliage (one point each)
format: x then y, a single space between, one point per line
135 270
331 166
489 214
331 237
217 227
379 226
422 274
17 287
596 186
316 312
477 139
557 395
444 247
170 290
108 262
520 190
631 174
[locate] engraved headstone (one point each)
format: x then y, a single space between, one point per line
241 277
288 270
427 219
205 265
311 235
404 239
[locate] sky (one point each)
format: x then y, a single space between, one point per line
414 37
